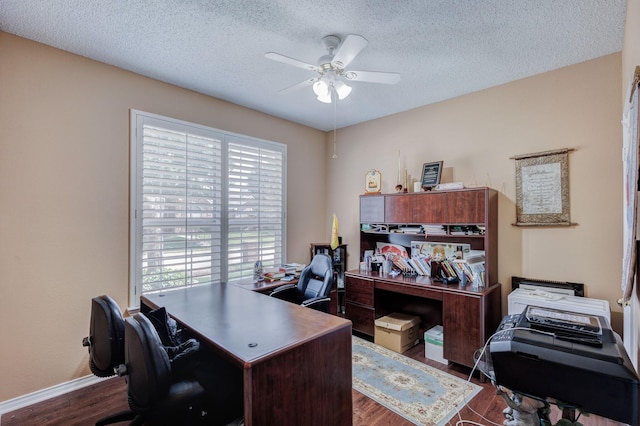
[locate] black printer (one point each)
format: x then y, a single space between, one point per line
572 357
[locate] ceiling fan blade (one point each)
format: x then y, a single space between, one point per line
304 83
373 76
349 49
290 61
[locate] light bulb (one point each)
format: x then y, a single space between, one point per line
342 89
321 89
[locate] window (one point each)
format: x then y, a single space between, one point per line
205 204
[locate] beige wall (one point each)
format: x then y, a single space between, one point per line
64 159
64 164
475 135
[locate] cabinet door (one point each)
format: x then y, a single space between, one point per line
462 327
398 208
465 207
362 318
428 208
359 304
372 209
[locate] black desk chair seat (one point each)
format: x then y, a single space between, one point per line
313 287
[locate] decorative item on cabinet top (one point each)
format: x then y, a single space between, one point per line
373 182
431 173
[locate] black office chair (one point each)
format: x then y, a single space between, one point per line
154 395
106 336
313 287
106 345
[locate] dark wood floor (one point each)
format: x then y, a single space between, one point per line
85 406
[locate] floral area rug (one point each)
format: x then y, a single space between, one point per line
421 394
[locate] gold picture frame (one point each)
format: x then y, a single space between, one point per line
542 189
373 182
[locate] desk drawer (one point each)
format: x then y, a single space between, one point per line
359 290
412 290
362 318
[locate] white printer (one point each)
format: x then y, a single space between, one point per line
550 298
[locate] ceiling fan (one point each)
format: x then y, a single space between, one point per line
332 78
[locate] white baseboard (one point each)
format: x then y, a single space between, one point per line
43 394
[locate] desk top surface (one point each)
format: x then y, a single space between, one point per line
262 286
423 282
246 325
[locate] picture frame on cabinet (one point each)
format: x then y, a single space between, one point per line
373 182
431 174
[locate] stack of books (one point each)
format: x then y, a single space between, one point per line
273 274
292 268
410 229
434 230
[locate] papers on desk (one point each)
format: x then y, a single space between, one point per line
273 274
291 268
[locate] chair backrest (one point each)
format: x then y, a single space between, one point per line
147 362
316 279
106 336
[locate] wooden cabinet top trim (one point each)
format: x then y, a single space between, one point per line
444 191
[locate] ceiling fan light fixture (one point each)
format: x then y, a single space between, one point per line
321 88
342 89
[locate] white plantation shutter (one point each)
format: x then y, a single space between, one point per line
256 214
205 204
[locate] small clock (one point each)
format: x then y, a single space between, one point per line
373 182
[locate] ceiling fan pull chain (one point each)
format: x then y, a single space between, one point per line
335 106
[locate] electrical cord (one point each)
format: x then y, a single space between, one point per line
461 421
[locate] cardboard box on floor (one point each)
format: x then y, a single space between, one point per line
397 331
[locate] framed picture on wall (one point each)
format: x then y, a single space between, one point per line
431 173
542 188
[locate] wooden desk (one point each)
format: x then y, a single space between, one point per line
296 361
264 287
468 316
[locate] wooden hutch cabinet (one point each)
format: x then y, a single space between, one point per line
468 314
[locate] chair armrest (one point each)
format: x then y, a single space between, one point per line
315 300
281 289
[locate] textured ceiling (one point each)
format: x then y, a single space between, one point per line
441 48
